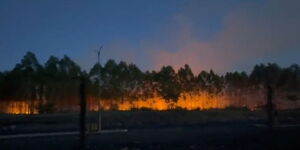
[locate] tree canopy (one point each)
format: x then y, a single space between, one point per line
57 79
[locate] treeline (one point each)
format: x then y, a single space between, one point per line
58 79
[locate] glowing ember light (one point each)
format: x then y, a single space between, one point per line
17 107
187 101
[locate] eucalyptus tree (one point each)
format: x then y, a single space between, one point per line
265 73
29 76
53 78
236 80
135 81
210 82
169 86
186 79
69 72
95 81
109 76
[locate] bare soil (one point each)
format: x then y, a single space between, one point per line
213 129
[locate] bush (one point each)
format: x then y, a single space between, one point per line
46 108
244 108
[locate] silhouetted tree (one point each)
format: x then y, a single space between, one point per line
186 79
210 82
169 86
57 80
261 73
236 80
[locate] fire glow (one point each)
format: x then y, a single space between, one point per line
17 107
186 101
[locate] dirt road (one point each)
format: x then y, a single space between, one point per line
210 136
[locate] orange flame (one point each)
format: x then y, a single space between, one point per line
187 101
17 107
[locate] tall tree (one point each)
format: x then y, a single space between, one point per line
186 78
169 84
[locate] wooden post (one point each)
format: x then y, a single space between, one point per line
270 105
82 122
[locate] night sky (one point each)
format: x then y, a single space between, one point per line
223 35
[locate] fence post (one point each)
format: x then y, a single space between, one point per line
270 105
82 123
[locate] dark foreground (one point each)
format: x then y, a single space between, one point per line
221 130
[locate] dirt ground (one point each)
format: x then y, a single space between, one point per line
213 129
